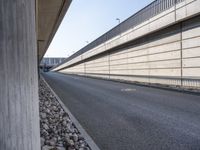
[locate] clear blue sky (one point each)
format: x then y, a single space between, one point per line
86 20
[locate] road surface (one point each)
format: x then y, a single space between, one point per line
120 116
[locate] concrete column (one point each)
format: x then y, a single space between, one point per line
19 111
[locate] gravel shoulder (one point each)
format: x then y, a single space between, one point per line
57 130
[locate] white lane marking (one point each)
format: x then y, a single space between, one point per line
76 78
128 90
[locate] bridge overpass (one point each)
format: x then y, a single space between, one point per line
158 44
49 62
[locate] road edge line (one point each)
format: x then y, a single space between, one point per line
82 131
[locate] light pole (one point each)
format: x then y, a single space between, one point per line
119 21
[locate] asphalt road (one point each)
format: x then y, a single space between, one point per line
121 116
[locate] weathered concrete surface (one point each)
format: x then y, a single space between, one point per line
49 16
169 56
26 30
19 112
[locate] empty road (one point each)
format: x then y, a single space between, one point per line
120 116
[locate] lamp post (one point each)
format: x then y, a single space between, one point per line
119 21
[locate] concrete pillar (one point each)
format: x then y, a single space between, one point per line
19 111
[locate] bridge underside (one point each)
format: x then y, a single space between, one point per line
27 28
49 16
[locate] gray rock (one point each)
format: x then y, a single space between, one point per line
45 126
47 147
64 123
57 116
61 148
53 141
46 103
69 142
60 144
75 137
57 129
43 115
76 145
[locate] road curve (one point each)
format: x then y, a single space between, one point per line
120 116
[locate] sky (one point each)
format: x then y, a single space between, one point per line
86 20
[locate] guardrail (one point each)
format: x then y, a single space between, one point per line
144 14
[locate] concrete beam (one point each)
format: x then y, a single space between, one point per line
49 16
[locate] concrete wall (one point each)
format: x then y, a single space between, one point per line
19 113
181 11
170 56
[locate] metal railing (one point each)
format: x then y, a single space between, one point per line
141 16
